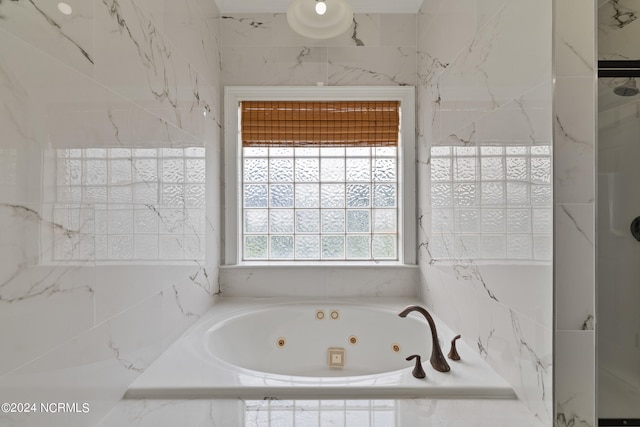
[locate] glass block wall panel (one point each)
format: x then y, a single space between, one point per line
491 202
310 203
135 204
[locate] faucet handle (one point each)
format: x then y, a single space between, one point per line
418 372
453 353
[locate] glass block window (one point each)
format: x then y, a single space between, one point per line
319 180
320 175
320 203
491 202
129 204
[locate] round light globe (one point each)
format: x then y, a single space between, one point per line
64 8
321 7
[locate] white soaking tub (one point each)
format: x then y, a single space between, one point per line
276 348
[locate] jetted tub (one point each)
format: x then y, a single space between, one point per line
275 348
295 340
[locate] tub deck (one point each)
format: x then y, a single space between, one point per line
182 373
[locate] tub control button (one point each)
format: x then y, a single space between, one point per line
336 357
319 314
335 314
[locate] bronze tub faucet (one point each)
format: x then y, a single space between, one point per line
437 359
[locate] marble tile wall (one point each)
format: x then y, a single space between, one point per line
488 85
574 199
262 50
87 298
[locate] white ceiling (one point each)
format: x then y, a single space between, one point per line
280 6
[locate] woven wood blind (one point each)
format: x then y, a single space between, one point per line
320 123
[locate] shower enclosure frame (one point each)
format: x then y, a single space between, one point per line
619 68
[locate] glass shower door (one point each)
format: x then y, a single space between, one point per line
618 244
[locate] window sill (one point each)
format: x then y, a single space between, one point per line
320 279
318 264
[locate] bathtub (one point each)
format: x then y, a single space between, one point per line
278 348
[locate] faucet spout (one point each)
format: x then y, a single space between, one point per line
437 359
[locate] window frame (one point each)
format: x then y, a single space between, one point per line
234 95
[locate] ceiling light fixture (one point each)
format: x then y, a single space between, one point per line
321 7
65 8
320 19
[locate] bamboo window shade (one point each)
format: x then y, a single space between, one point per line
320 123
